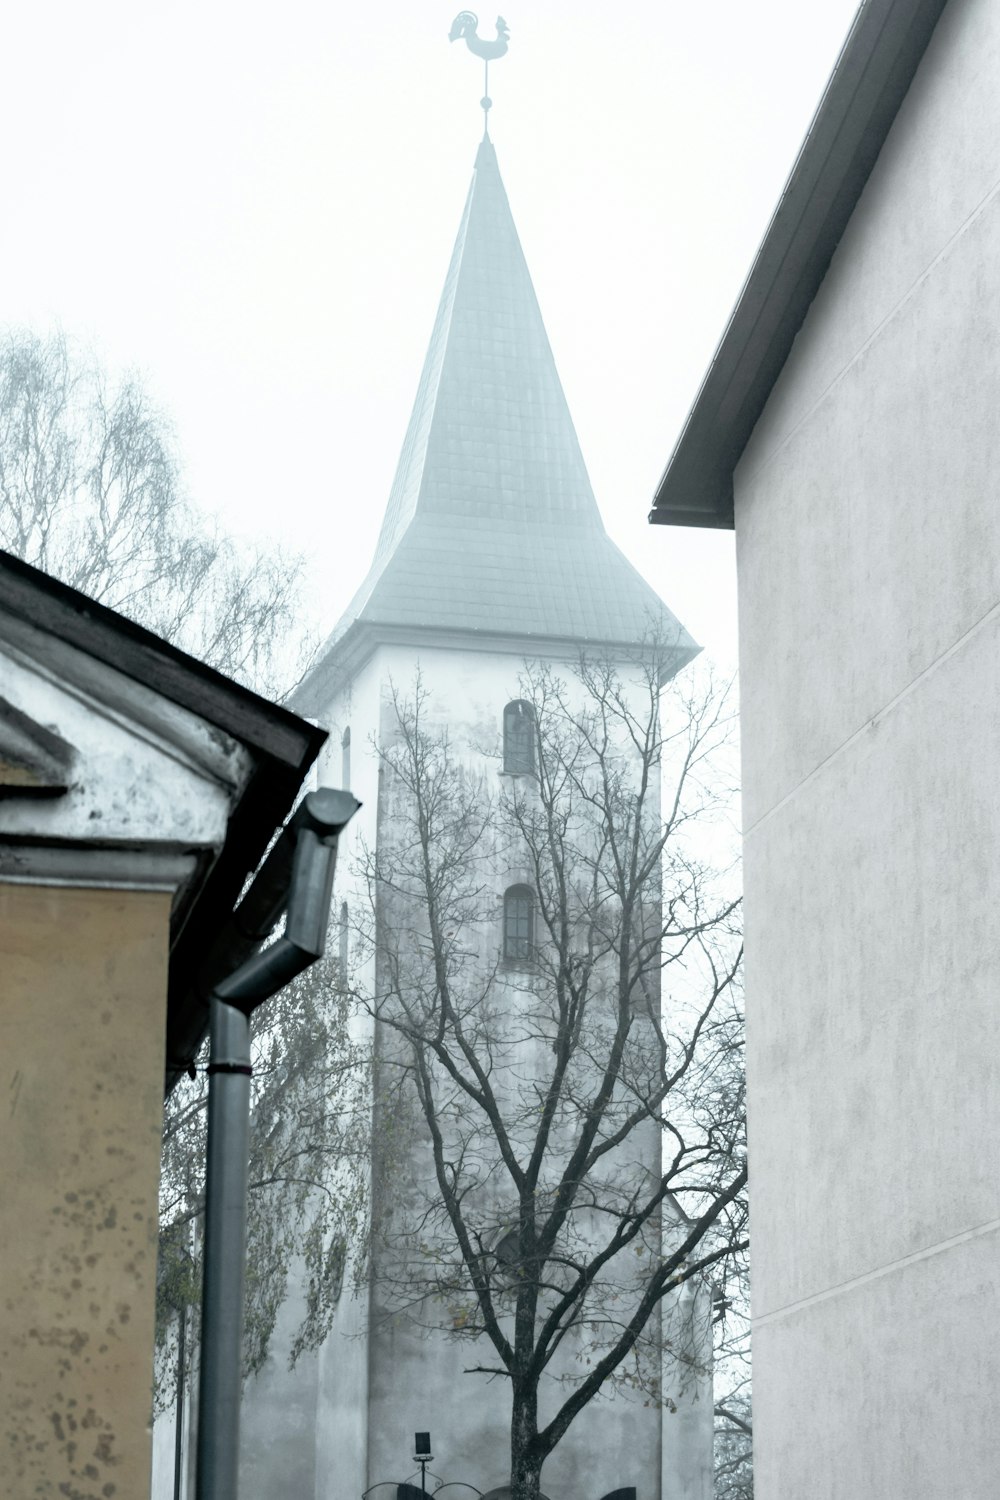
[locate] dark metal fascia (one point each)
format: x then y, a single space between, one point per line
102 633
869 82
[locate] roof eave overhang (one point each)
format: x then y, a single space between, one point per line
868 84
283 747
135 652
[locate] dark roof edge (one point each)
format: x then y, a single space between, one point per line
139 654
284 747
862 98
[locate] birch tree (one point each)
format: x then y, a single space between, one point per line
307 1198
91 492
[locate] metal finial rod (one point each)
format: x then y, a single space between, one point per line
466 24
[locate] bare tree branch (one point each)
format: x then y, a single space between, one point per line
546 1081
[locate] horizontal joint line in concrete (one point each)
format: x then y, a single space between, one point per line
992 614
876 332
992 1227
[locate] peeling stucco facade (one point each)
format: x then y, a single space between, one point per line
84 984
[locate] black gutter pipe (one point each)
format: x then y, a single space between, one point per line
296 877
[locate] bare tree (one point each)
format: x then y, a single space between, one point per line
731 1316
734 1410
90 491
547 1068
734 1447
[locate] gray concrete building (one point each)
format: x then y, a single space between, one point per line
847 429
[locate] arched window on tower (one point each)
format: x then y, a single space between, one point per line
345 759
343 935
519 738
518 923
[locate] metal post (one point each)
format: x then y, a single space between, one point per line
225 1230
423 1456
179 1415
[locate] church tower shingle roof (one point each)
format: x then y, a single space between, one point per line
492 529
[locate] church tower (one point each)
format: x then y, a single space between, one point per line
492 554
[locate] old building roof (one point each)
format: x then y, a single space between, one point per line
868 84
70 638
492 529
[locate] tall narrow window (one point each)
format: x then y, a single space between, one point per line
519 738
343 936
518 923
345 760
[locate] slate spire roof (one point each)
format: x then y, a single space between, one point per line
492 529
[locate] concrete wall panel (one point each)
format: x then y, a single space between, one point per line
939 168
872 1017
888 1389
873 537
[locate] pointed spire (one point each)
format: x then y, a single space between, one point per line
492 528
491 435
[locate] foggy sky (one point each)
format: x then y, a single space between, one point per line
256 207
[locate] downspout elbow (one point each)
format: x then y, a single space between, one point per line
315 828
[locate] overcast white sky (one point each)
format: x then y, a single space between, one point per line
255 206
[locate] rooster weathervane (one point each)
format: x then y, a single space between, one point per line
466 24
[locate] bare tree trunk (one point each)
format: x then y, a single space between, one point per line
525 1461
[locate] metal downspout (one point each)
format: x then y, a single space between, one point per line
311 835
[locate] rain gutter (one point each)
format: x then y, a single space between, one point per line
862 98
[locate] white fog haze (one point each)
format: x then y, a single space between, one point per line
255 208
387 806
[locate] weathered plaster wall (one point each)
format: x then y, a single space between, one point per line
689 1432
868 535
81 1036
377 1382
278 1418
145 771
420 1382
